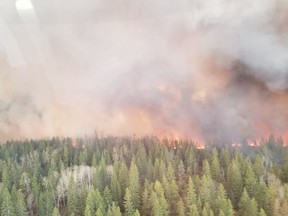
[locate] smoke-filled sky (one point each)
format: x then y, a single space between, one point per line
204 69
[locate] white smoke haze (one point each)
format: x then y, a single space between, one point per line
212 69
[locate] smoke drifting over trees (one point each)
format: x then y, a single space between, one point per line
214 70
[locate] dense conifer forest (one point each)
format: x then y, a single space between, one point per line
130 176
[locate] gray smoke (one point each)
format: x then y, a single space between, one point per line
209 69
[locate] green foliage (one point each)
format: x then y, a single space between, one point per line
46 204
7 207
134 185
250 181
107 197
158 202
129 207
21 208
72 198
262 212
90 206
234 182
191 199
247 206
114 211
285 170
146 205
115 176
55 212
215 166
180 208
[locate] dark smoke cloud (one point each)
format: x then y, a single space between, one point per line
213 70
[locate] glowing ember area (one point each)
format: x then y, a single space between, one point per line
200 146
252 143
74 143
236 145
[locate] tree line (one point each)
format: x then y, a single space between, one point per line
130 176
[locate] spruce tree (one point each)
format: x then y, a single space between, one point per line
21 207
250 181
128 204
134 185
114 211
234 183
7 207
191 199
146 207
180 208
159 192
262 212
107 197
56 212
247 206
215 166
72 197
90 206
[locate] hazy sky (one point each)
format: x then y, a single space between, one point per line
211 69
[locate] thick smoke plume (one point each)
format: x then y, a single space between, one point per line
214 70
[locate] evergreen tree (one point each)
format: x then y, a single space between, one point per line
259 168
234 183
107 198
134 186
129 208
102 179
252 208
161 206
221 213
206 169
99 202
156 206
225 158
6 178
180 208
270 200
250 181
14 197
100 212
83 156
285 170
206 210
46 204
21 208
262 212
244 202
206 190
141 162
56 212
191 162
123 174
136 213
170 175
115 188
7 207
36 189
90 207
247 206
146 207
191 199
72 199
172 196
114 211
215 166
260 193
181 173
